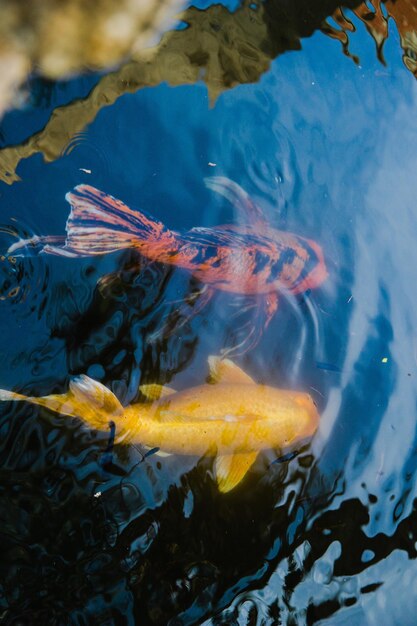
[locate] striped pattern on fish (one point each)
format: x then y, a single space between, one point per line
251 258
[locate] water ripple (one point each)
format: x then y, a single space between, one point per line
24 281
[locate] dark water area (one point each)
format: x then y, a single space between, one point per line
93 533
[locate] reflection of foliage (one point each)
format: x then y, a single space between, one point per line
61 37
220 48
375 14
374 20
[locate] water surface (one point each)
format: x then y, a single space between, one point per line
94 535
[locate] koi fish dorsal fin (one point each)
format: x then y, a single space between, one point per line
89 391
154 392
237 196
231 469
225 371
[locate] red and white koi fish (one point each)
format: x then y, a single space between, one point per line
252 258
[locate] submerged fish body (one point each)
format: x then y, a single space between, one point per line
232 419
251 258
245 260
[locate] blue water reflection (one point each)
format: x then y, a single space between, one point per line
327 148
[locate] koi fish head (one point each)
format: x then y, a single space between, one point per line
308 418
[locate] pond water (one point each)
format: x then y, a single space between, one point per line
95 534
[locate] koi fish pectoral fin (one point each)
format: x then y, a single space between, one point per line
183 314
232 468
96 396
261 313
270 307
225 371
238 197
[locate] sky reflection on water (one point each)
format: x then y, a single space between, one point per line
328 149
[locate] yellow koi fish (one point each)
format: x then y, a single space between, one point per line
232 419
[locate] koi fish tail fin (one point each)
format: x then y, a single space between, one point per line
11 396
99 224
54 402
86 398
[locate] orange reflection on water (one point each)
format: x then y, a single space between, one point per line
375 15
